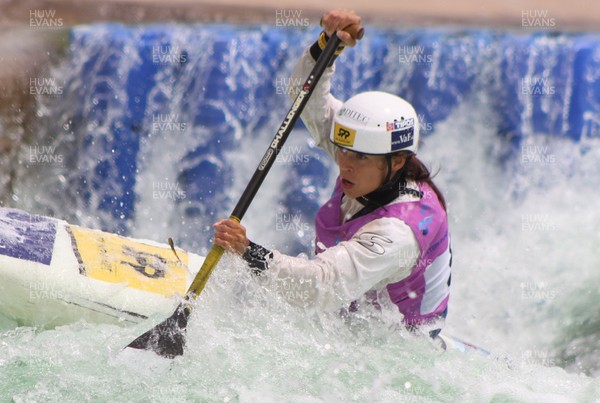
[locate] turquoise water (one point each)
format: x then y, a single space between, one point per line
524 240
244 344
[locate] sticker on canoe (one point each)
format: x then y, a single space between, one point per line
115 259
25 236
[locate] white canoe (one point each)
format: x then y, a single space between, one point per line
52 273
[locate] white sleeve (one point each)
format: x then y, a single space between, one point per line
321 107
383 251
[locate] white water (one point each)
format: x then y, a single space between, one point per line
514 291
524 286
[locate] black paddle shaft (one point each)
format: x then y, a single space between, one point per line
167 339
286 128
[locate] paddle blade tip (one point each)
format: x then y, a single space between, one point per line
164 340
167 339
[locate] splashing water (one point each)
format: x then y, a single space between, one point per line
520 203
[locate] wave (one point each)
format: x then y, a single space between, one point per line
157 129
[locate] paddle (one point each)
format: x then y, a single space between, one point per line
167 339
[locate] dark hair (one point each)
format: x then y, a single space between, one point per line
415 169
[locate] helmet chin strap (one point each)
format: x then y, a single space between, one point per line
391 188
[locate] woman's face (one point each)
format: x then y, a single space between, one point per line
363 173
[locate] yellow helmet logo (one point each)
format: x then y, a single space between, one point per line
343 136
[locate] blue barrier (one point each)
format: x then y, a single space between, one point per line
224 84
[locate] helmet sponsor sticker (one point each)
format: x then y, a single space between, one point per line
399 124
403 138
349 113
343 136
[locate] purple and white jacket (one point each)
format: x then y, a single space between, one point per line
399 252
423 294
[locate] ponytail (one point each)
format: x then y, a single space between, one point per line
415 169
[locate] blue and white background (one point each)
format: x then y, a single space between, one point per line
159 128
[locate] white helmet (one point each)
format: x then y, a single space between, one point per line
376 122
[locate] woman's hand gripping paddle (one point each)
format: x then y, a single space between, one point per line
167 339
